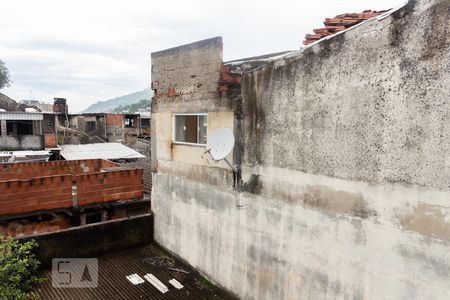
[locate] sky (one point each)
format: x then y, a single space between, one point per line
90 50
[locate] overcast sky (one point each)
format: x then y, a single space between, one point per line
89 50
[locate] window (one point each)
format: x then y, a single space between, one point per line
91 126
190 128
131 121
22 127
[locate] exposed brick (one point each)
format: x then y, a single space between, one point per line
50 140
28 187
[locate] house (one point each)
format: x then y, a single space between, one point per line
98 128
342 148
26 126
146 117
26 131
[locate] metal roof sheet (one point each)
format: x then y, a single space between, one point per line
113 283
20 115
24 153
24 156
98 150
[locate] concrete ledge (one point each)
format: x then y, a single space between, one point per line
94 239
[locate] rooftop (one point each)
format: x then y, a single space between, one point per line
20 115
340 23
107 151
113 284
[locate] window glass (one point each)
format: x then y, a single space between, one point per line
191 129
202 129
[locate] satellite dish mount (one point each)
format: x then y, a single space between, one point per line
220 145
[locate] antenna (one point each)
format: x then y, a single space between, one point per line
220 144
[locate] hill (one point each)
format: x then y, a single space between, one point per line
132 108
110 105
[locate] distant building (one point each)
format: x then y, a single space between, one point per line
97 128
39 105
26 131
34 125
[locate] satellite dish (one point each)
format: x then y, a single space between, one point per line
220 143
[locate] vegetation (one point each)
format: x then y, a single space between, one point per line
4 76
18 269
132 108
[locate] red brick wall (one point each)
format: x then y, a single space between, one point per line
50 140
45 193
28 170
51 185
114 119
18 229
109 186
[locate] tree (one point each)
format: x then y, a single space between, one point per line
18 269
4 75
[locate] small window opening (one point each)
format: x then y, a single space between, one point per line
191 129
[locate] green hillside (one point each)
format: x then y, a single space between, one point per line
112 104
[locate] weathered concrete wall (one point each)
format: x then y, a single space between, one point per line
187 153
94 239
370 104
21 142
335 239
193 68
345 172
185 79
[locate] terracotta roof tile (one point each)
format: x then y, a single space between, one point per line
339 23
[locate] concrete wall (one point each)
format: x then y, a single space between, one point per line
22 142
345 171
186 80
94 239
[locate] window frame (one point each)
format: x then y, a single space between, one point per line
86 126
174 115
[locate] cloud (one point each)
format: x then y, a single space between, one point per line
95 50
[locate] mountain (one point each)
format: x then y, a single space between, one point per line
110 105
132 108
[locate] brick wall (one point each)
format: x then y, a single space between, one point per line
114 120
36 186
50 140
44 193
109 186
20 228
28 170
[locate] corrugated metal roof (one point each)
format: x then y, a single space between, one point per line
23 156
24 153
98 150
113 283
20 115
